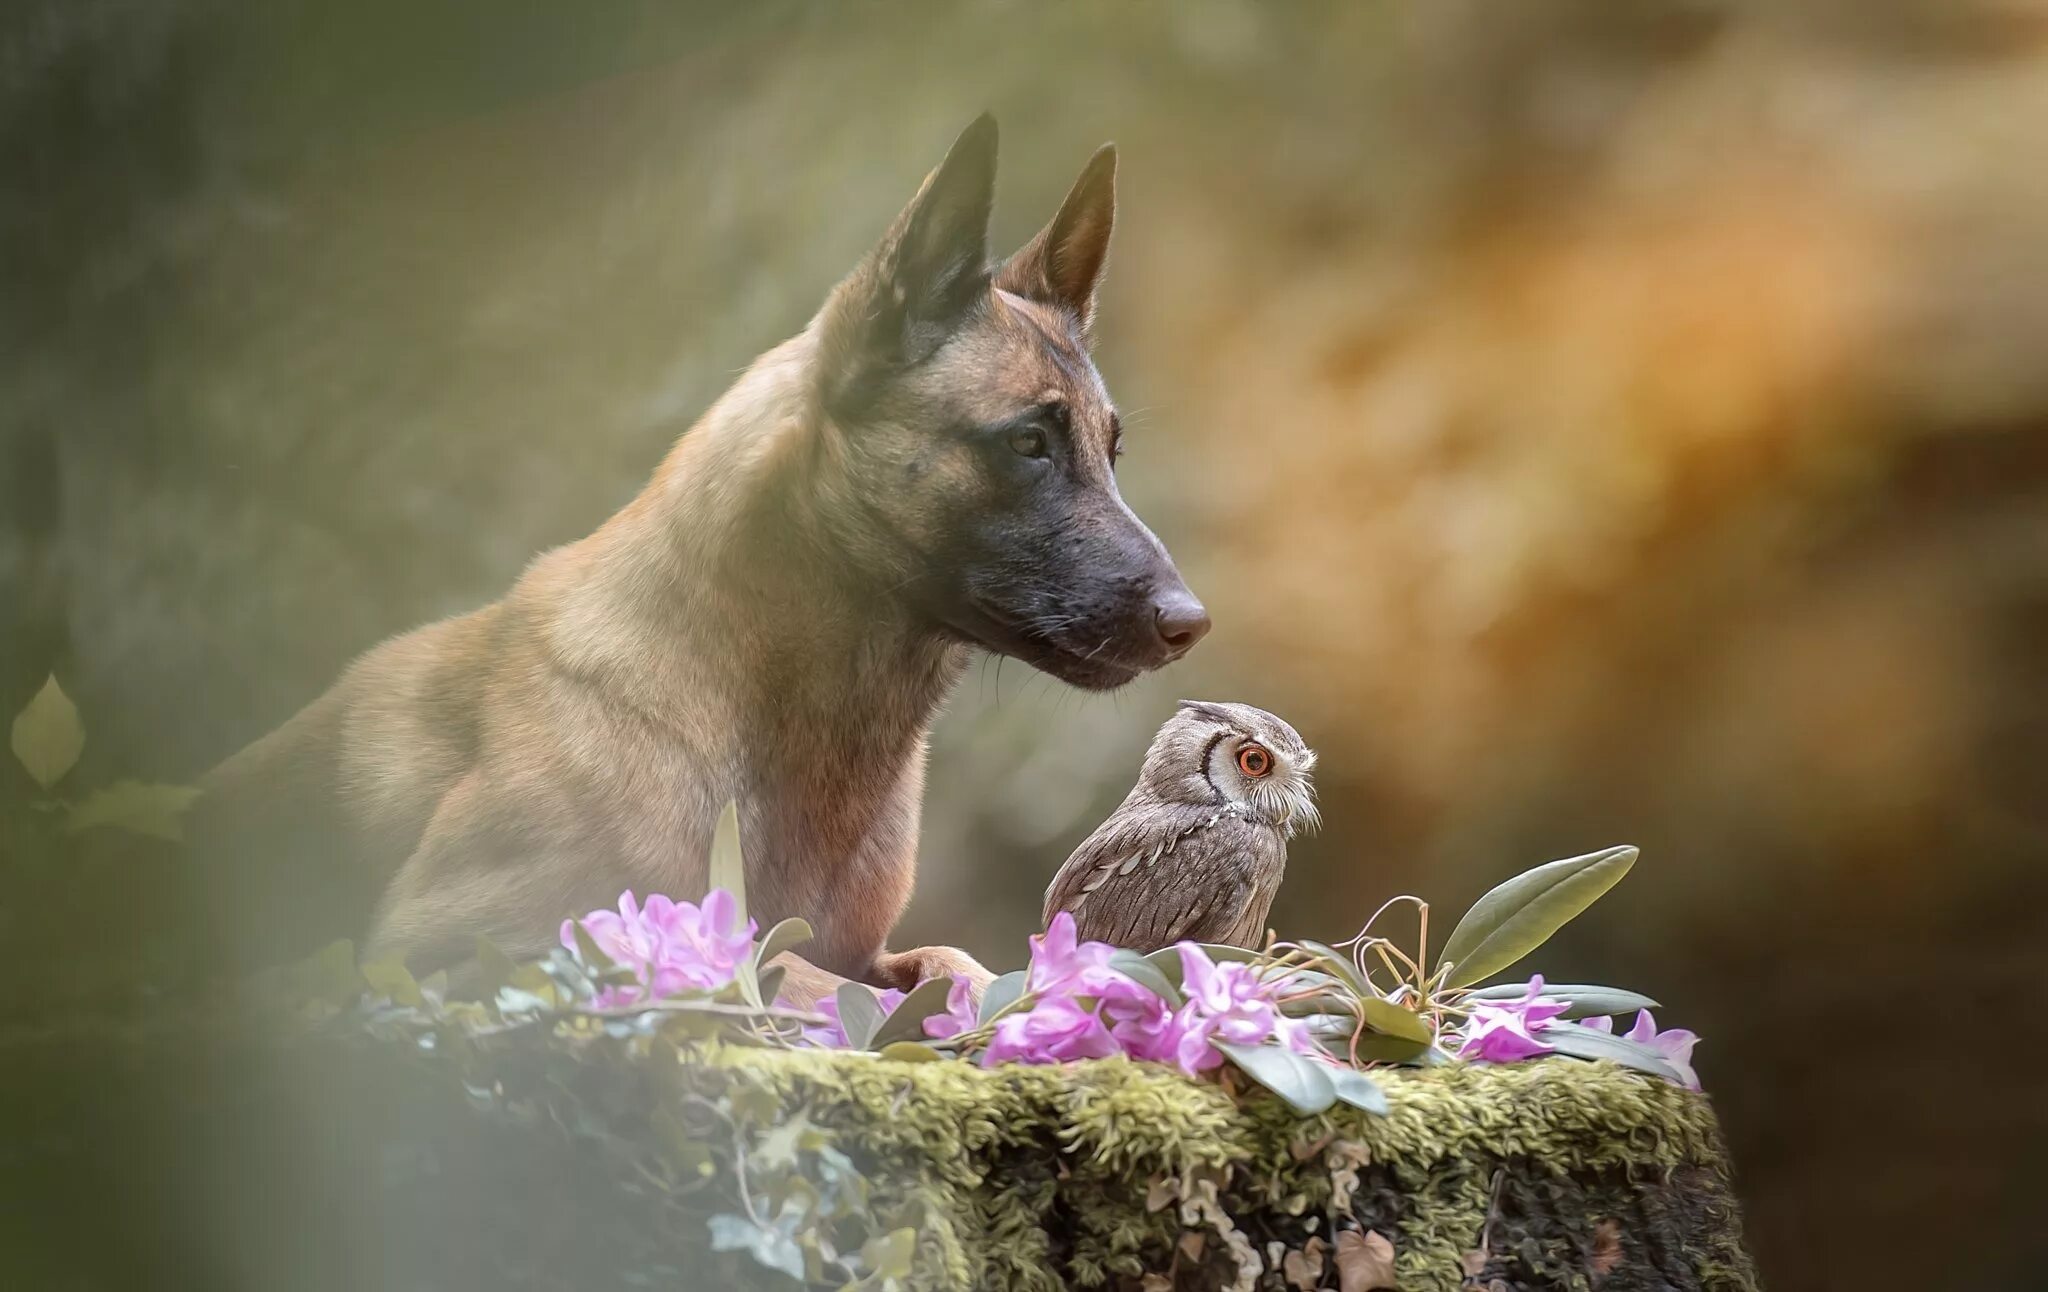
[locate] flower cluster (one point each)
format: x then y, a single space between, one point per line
1514 1030
1082 1008
669 946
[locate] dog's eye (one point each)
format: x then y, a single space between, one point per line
1254 761
1028 442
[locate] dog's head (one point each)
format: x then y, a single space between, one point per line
973 442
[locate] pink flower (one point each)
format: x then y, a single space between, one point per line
669 946
960 1015
1505 1033
1674 1046
833 1032
1060 963
1054 1030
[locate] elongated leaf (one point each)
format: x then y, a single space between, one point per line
1520 915
1303 1082
786 934
909 1052
1584 999
859 1014
47 736
1001 994
1388 1019
770 982
1360 1091
1375 1048
1146 974
728 869
154 810
1584 1043
592 955
906 1021
1340 965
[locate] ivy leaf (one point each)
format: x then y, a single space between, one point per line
1004 992
728 870
1585 1043
859 1014
47 735
1521 914
154 810
906 1021
1360 1091
771 1247
890 1256
1303 1082
1584 999
1388 1019
1365 1261
1146 974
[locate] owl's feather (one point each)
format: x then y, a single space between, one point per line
1154 874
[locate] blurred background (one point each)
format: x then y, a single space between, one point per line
1588 423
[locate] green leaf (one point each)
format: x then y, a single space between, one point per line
890 1256
1585 1043
47 735
770 982
910 1052
330 974
1303 1082
493 966
154 810
592 955
906 1021
1584 999
1376 1048
859 1014
1520 915
771 1247
390 978
1360 1091
1341 966
728 870
786 934
1167 959
1146 974
1001 994
1388 1019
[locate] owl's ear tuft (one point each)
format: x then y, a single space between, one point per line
1207 709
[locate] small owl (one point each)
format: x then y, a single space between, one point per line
1197 848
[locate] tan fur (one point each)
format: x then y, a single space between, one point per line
495 772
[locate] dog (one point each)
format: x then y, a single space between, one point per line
926 470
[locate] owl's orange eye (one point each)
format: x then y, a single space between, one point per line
1254 761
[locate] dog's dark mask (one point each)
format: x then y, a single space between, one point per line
977 444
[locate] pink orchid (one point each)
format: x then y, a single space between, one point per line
1673 1046
1504 1033
1054 1030
960 1015
669 946
1060 962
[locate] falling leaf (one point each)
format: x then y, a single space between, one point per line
1606 1249
1365 1261
47 735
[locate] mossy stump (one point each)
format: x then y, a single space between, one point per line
577 1158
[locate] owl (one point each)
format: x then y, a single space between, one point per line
1197 848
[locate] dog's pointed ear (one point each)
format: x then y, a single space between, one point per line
928 268
1062 265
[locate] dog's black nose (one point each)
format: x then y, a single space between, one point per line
1180 619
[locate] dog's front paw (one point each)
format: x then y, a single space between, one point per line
905 969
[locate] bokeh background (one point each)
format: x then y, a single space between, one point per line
1587 422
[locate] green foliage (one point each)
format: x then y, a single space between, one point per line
1520 915
48 736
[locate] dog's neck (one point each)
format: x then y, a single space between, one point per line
721 576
